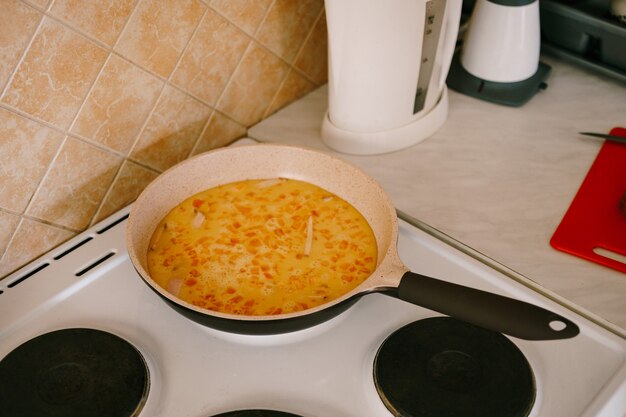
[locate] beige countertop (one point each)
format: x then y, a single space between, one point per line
499 179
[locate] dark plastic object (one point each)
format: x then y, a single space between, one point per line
463 303
440 366
512 3
513 94
494 312
74 372
585 30
256 413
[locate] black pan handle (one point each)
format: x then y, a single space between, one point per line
494 312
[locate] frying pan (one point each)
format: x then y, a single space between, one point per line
226 165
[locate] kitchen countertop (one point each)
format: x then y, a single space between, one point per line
499 179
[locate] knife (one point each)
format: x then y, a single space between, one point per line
613 138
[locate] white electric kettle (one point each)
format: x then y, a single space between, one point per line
388 62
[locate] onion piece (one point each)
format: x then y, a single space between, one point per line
309 237
157 238
198 220
270 182
174 285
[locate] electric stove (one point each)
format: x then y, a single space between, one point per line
80 330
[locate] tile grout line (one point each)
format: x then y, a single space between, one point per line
214 107
44 176
301 50
308 77
49 223
186 47
166 82
201 135
88 94
127 155
252 38
126 23
292 66
230 80
276 93
10 242
5 89
248 47
22 219
77 30
96 212
264 19
111 51
180 89
71 125
95 144
31 118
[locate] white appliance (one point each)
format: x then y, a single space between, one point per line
503 40
326 370
388 63
499 57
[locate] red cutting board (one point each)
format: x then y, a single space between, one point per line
595 218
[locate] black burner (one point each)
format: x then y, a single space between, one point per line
73 372
256 413
442 367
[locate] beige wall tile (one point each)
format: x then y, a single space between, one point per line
198 44
253 86
219 132
172 130
211 58
294 87
158 32
246 14
74 187
102 19
31 240
127 186
287 25
118 105
55 75
313 58
17 25
8 224
26 150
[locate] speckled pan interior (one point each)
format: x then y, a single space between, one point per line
264 161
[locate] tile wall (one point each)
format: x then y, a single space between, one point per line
98 97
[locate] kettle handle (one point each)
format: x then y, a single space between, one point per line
451 33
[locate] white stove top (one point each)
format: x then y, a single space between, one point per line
326 370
